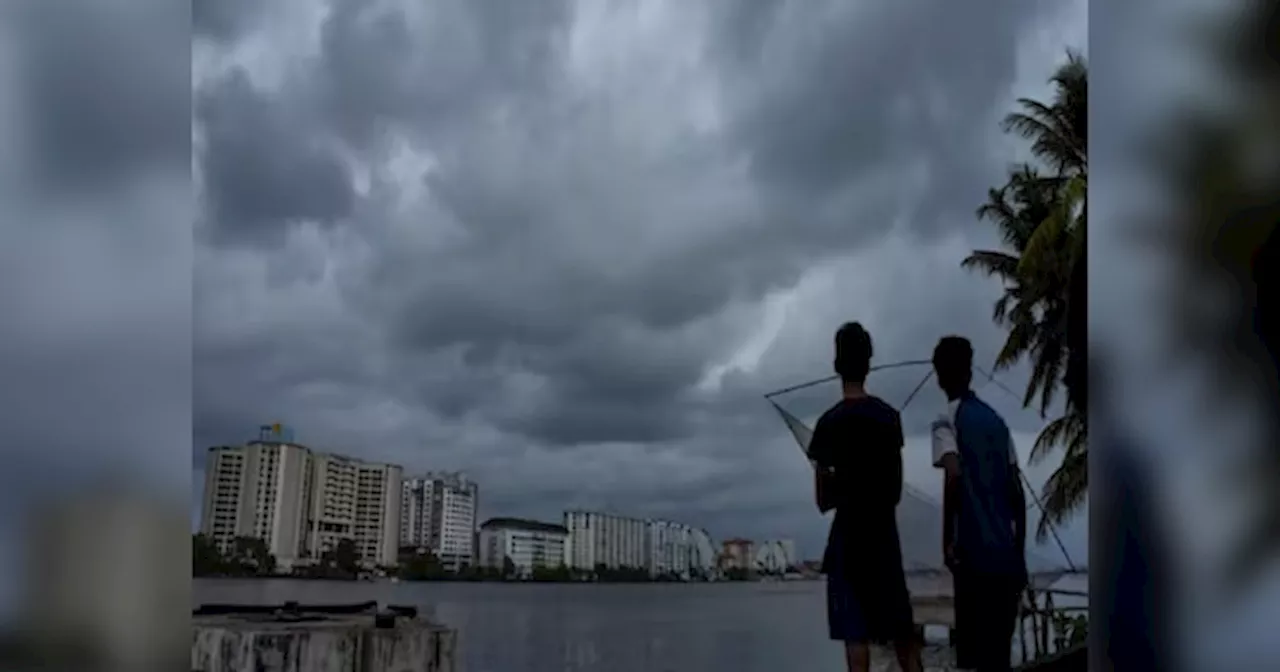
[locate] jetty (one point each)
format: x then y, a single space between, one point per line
363 637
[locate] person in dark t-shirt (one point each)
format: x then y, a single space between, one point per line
856 452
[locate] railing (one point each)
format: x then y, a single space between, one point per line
1045 620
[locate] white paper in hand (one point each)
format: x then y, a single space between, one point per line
944 438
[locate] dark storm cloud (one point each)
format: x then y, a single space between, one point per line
264 168
875 83
384 63
222 20
591 228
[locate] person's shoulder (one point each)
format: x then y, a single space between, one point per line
973 407
883 408
974 411
831 415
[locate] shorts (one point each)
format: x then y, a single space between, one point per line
846 620
986 611
878 614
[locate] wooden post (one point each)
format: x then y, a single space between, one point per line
1048 617
1022 625
1044 627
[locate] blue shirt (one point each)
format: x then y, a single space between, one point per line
985 541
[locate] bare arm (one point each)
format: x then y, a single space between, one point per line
950 463
946 457
824 486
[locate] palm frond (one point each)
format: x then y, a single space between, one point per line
1064 492
1070 429
992 262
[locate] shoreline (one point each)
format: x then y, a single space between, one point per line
392 580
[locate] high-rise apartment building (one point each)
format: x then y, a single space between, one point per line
356 500
703 556
301 503
527 543
438 513
257 490
604 539
670 548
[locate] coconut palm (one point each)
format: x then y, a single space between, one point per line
1040 213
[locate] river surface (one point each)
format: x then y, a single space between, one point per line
720 627
717 627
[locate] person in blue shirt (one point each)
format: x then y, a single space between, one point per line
856 450
984 514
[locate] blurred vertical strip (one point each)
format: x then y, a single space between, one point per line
1128 579
106 573
1185 519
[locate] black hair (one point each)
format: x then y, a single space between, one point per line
953 362
853 353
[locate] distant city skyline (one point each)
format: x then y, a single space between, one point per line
919 516
303 503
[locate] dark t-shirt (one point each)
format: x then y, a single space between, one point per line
861 440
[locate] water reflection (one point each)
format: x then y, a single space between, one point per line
594 628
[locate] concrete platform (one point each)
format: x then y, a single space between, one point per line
298 640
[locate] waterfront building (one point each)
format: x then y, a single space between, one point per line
771 556
257 490
357 500
670 548
703 557
301 503
789 553
527 543
604 539
737 554
438 513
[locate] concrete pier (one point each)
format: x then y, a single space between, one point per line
342 638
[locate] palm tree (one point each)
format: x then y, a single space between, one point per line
1040 213
1029 303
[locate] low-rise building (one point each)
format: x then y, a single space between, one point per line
529 544
737 554
775 556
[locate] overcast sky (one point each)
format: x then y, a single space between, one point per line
563 247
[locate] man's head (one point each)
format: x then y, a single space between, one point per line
953 364
853 353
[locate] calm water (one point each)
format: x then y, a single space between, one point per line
738 627
719 627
